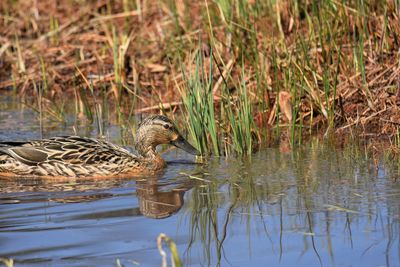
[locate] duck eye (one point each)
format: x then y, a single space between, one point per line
166 126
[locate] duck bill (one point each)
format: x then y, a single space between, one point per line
183 144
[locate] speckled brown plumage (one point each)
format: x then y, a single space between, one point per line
74 156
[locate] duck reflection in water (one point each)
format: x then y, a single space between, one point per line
157 198
160 201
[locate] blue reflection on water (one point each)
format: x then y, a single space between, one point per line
311 207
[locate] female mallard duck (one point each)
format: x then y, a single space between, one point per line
74 156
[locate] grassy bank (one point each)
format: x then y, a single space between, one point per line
243 73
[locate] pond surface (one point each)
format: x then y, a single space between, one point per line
315 206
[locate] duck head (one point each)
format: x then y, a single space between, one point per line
157 130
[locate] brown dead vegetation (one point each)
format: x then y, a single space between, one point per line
138 50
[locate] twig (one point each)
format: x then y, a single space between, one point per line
390 121
116 16
4 47
159 106
364 120
221 78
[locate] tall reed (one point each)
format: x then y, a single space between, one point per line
198 101
239 114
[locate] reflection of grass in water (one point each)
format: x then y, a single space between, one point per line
254 192
205 224
310 192
211 228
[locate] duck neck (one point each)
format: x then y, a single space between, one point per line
152 159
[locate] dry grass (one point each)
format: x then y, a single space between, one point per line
338 60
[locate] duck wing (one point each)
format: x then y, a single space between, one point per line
26 155
67 149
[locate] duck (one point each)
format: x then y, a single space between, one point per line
76 156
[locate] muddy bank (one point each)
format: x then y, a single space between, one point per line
338 62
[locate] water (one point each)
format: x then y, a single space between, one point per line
316 206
